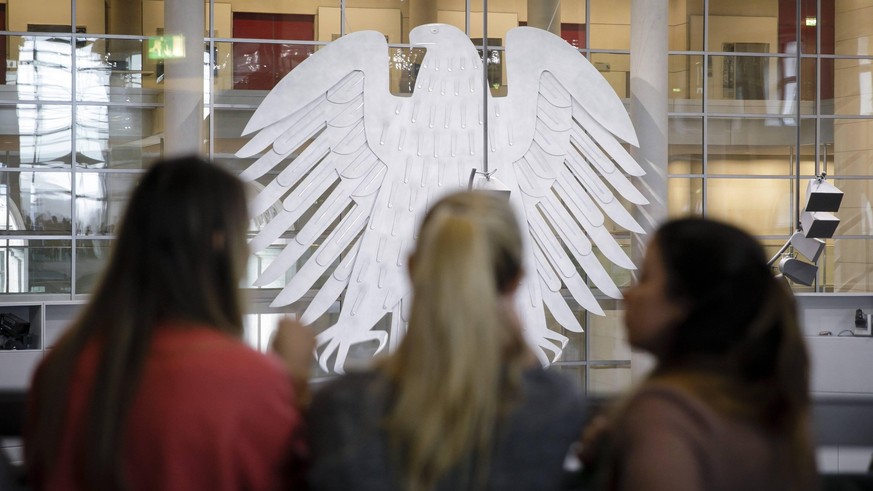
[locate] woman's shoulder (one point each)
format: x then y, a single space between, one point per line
669 405
550 396
207 352
357 388
547 384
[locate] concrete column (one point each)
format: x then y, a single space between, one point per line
422 12
183 79
648 111
545 15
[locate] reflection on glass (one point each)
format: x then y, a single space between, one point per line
760 206
615 68
684 197
685 79
35 266
45 73
404 64
91 257
610 24
35 203
758 146
100 201
132 77
685 145
131 143
851 148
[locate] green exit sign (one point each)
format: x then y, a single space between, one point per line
166 47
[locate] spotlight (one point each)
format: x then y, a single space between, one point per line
809 248
798 271
818 224
822 196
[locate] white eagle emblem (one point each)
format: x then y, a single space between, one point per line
376 161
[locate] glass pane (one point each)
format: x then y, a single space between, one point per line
761 22
753 84
856 209
812 22
685 35
686 83
120 137
684 197
851 87
620 276
851 146
808 89
760 206
92 256
118 70
41 68
500 19
616 70
575 348
853 31
47 16
35 203
153 17
254 67
756 146
100 201
852 266
610 24
229 125
685 146
404 64
386 19
35 135
35 266
609 380
607 336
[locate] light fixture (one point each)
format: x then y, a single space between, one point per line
809 248
798 271
816 222
822 198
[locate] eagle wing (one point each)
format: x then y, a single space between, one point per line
570 172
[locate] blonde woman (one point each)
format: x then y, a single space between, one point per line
462 403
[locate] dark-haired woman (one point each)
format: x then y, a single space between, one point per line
152 388
727 405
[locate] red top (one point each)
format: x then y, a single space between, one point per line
210 414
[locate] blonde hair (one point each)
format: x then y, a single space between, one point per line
459 365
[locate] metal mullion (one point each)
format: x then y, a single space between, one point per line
704 108
212 62
467 18
73 148
342 18
485 86
798 134
588 27
269 41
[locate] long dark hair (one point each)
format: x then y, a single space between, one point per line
179 255
740 324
